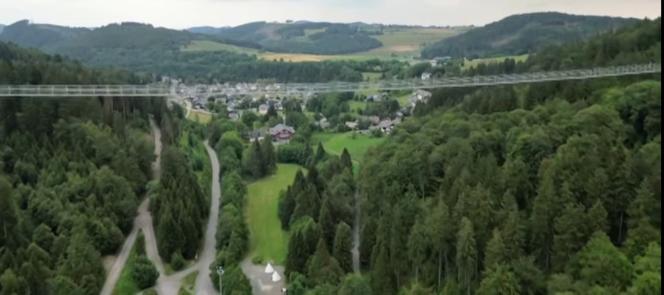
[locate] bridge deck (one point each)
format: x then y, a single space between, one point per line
159 90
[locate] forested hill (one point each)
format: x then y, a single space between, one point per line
301 37
550 188
30 66
524 33
147 50
72 171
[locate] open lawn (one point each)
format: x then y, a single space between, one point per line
200 117
356 144
267 240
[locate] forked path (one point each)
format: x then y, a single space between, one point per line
142 221
203 282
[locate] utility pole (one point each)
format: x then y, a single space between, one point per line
220 272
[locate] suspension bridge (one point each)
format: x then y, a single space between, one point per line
276 89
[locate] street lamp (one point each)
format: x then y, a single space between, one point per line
220 272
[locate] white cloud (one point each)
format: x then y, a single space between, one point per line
186 13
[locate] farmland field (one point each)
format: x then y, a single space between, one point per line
398 43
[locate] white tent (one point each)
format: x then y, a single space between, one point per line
276 277
269 268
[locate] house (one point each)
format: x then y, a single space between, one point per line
352 125
374 120
262 109
426 76
233 115
386 126
420 96
282 133
323 123
376 97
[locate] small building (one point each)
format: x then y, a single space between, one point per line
233 115
282 133
419 96
352 125
378 97
426 76
386 126
323 123
262 109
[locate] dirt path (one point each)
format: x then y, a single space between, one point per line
356 234
203 282
142 221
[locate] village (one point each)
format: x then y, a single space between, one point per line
254 110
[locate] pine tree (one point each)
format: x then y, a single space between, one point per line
466 258
499 281
321 154
9 235
307 204
323 268
253 162
601 263
569 236
301 245
354 285
343 245
495 252
442 234
285 207
268 155
418 243
327 222
346 160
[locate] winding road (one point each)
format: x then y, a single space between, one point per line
143 221
203 282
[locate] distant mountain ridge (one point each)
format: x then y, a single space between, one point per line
524 33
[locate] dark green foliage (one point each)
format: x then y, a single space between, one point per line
519 34
507 198
180 209
144 273
343 245
354 285
177 261
305 233
322 268
259 158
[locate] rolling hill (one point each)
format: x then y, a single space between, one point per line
301 37
522 34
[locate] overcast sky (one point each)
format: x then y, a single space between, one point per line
187 13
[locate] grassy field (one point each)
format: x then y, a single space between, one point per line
356 144
267 239
398 43
467 64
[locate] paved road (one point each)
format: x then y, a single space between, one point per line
142 221
203 282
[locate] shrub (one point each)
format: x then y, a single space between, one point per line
144 273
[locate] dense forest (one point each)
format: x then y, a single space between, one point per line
521 34
552 188
72 172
